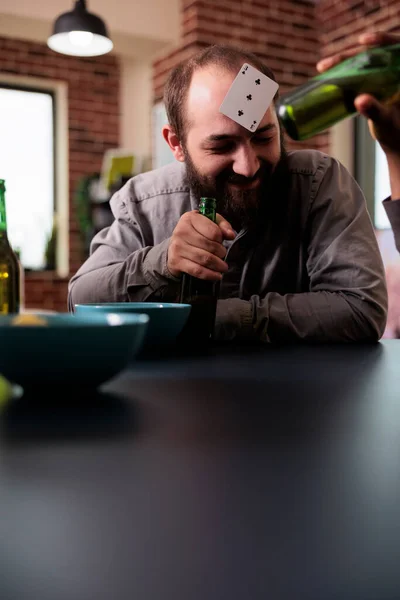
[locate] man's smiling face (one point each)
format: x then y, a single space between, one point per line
223 159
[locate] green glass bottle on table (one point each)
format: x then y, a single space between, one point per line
9 266
201 294
328 98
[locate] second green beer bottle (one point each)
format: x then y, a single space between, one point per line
328 98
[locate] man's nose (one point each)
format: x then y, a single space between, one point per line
246 162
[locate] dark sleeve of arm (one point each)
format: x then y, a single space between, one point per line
392 208
121 267
347 300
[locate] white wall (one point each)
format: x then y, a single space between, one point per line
136 101
342 143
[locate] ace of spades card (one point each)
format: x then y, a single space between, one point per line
249 97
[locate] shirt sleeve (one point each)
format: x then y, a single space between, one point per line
347 297
392 208
121 266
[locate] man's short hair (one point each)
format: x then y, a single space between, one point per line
228 58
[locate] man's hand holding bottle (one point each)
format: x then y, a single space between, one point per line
196 246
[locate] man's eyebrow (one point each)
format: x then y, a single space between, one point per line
220 137
269 127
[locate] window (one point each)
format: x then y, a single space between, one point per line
371 172
162 154
27 165
33 162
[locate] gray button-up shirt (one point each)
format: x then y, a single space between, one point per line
312 271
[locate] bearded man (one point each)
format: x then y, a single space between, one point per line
293 246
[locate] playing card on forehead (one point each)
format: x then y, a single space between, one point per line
249 97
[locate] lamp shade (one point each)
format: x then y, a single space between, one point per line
80 33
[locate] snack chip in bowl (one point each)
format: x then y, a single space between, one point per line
28 319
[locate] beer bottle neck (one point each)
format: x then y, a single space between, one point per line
207 207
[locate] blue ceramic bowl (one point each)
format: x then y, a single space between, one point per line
68 349
166 319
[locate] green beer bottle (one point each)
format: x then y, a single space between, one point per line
9 266
329 97
201 294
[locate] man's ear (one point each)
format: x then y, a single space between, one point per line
173 142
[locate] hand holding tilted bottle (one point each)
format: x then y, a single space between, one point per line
383 118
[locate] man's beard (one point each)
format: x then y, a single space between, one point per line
242 208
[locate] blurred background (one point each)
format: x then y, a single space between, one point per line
73 129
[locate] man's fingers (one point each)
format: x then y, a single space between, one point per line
378 38
205 227
369 107
198 250
331 61
196 246
383 121
216 232
225 227
198 271
365 40
209 229
203 258
199 241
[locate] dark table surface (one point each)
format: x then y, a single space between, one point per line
248 473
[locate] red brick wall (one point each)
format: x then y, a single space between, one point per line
282 32
93 105
342 21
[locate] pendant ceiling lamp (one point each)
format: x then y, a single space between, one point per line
80 33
